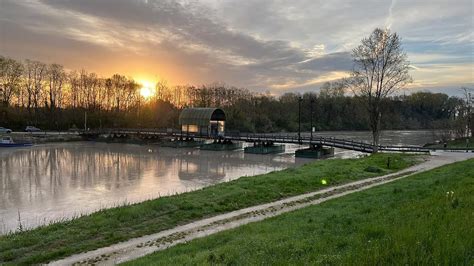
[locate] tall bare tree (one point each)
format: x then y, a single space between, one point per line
10 79
73 89
35 73
119 83
380 68
56 79
161 88
466 111
54 96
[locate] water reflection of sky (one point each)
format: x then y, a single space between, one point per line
49 182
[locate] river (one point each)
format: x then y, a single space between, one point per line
50 182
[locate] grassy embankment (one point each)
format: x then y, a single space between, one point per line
111 226
425 219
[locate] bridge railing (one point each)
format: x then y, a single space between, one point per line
270 137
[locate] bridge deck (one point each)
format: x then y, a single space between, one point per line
274 138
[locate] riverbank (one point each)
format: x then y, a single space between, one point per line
424 219
111 226
46 137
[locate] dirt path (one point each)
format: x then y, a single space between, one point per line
138 247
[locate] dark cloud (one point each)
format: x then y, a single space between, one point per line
331 62
190 24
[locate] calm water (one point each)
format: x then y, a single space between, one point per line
56 181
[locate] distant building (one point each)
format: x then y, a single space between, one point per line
202 121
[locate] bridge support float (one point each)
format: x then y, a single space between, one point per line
222 145
182 142
265 147
316 152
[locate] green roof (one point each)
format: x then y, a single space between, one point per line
200 116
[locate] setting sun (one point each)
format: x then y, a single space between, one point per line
146 90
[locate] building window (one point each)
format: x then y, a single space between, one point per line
221 126
190 128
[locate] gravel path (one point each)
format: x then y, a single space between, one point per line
139 247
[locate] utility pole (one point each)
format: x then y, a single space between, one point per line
300 99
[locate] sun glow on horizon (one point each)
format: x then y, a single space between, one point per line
146 91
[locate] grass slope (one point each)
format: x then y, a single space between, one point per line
421 220
111 226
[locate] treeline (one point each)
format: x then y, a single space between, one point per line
49 97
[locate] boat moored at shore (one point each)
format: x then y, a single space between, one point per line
7 141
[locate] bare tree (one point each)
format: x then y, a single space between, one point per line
380 68
466 110
119 83
53 98
161 88
90 88
109 97
10 79
56 79
73 92
34 82
130 95
332 89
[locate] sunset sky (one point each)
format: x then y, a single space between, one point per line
275 46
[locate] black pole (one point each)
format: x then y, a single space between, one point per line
468 119
311 115
299 118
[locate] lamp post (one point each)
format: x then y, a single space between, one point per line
468 119
300 99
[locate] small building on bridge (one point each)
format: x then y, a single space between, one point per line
202 121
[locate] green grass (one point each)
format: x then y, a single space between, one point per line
413 221
110 226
